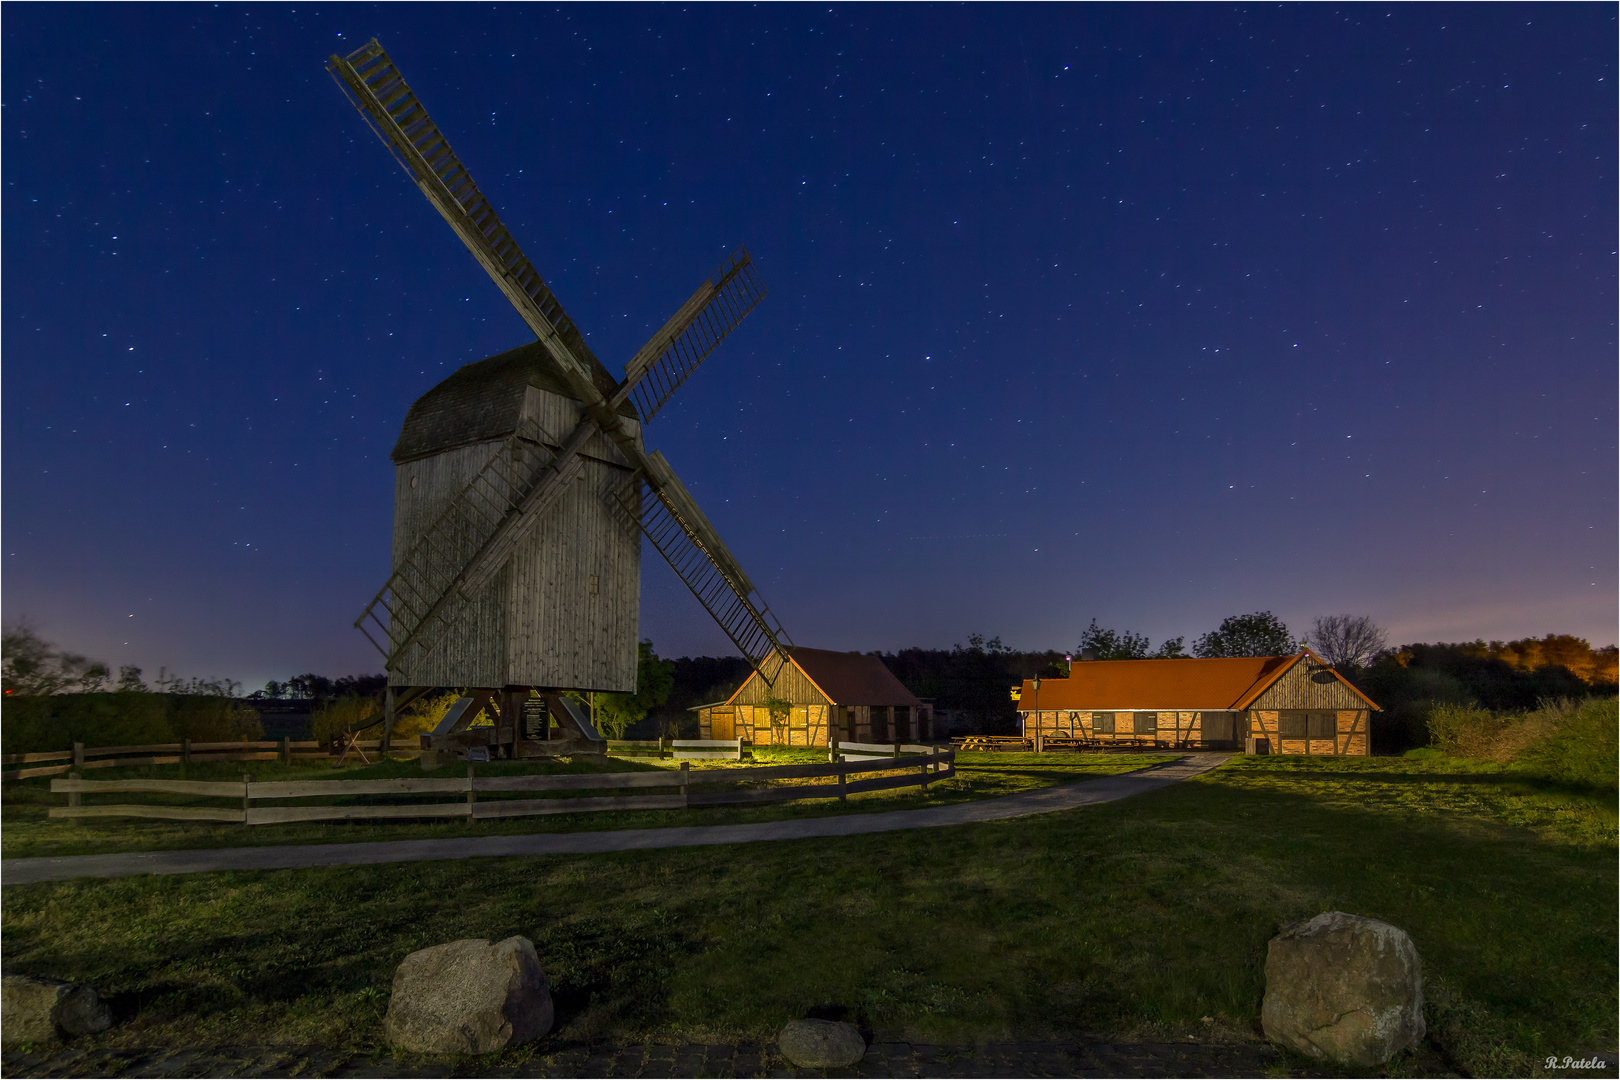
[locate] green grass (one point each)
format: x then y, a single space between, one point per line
1134 919
28 832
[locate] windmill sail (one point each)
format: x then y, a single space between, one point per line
714 311
694 550
397 116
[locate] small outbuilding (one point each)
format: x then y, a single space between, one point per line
1256 704
826 693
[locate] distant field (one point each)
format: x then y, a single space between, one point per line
1135 919
28 832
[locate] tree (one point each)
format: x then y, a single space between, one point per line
129 680
1260 634
1123 645
614 713
1346 641
29 665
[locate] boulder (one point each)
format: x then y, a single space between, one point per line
469 997
38 1010
821 1044
1343 988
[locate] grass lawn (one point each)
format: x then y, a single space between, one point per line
1146 917
28 832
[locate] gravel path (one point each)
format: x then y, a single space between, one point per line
1045 800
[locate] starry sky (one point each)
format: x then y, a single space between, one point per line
1148 314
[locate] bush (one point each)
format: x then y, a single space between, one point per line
1561 740
122 718
1583 750
340 715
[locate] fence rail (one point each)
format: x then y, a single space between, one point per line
1012 744
918 769
184 752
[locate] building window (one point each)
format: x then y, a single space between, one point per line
1292 726
1147 723
1102 723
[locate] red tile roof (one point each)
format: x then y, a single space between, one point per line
1193 684
851 678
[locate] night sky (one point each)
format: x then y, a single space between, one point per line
1152 314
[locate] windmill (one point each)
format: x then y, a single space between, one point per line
521 481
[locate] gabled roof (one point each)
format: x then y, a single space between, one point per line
1193 684
849 678
846 678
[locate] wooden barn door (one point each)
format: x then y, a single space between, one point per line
722 725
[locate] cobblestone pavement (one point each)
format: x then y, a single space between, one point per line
882 1060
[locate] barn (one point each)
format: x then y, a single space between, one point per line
1258 704
827 693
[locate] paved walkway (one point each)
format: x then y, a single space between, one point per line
882 1060
1065 797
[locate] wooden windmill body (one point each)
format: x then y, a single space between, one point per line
563 611
523 488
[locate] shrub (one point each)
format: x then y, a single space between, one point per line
338 716
1561 740
122 718
1583 749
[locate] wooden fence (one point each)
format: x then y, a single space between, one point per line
730 749
906 771
184 752
1012 744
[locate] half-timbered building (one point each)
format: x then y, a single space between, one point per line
843 694
1257 704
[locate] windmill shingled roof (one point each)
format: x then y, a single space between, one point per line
481 402
849 678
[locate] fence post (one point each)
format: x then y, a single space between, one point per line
842 781
926 766
78 754
832 743
185 751
660 748
247 803
286 750
686 783
388 720
73 796
897 751
472 796
739 748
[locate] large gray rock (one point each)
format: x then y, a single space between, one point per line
38 1010
821 1044
1343 988
469 997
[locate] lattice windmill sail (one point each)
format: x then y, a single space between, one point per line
521 480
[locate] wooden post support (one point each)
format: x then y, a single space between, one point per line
73 796
472 796
388 721
185 751
686 783
78 754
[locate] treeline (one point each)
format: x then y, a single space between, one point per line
34 724
1410 682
